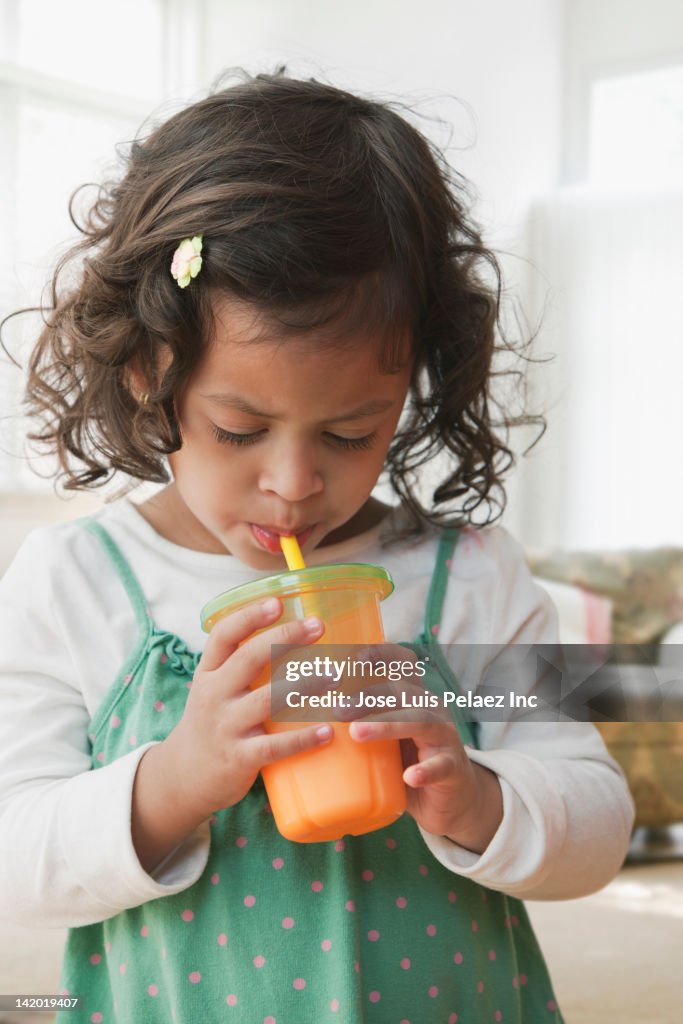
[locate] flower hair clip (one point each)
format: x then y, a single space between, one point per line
187 260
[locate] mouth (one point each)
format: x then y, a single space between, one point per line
268 537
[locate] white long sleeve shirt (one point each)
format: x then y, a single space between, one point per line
67 626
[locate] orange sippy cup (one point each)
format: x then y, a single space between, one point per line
344 787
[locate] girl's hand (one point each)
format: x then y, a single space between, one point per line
219 745
448 794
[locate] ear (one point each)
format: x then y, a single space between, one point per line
136 381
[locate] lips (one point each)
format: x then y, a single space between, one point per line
268 537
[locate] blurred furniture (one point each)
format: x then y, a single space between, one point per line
644 590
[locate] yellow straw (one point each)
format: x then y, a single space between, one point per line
295 560
292 552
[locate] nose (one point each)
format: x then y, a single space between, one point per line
291 475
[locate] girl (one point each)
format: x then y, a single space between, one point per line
282 271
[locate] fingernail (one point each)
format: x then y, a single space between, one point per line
270 605
312 624
324 732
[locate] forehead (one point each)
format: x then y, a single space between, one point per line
249 354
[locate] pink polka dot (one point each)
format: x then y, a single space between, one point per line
373 935
133 740
95 958
163 659
65 992
480 987
299 984
374 997
475 926
153 990
100 757
126 680
515 982
316 886
405 963
278 863
492 954
431 929
326 945
222 939
507 922
432 991
122 968
259 961
241 841
498 1015
158 705
287 922
448 563
195 977
452 1018
452 897
269 1020
458 958
424 870
367 875
267 808
350 906
96 1018
231 1000
107 947
187 915
401 902
215 878
334 1005
249 901
356 967
391 843
552 1005
515 920
115 721
339 846
435 629
523 979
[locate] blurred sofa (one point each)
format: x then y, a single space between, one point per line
632 597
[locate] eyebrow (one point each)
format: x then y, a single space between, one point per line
360 412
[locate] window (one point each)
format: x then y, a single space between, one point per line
76 79
610 249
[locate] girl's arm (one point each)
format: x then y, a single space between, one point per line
567 811
66 853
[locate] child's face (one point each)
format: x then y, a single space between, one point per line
281 437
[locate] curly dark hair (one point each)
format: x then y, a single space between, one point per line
324 210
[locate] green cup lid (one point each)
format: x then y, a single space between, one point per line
345 576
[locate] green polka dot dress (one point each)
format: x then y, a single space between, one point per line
365 930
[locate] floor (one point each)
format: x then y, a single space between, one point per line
615 957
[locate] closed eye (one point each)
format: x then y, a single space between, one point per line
336 440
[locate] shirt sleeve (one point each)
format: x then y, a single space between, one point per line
567 810
66 852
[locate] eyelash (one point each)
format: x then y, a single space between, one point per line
242 440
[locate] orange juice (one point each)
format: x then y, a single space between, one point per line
344 787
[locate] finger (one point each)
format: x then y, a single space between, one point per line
249 662
234 629
433 732
270 701
270 747
442 767
384 699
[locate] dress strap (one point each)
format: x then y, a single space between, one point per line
126 574
437 588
